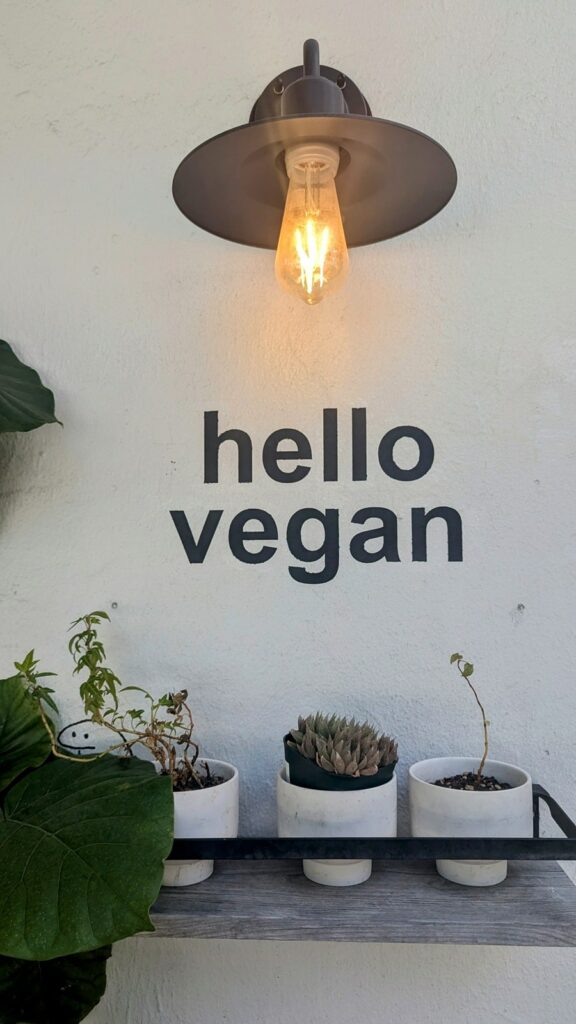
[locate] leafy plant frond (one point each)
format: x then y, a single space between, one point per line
168 740
25 402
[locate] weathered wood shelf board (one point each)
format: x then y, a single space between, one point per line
402 902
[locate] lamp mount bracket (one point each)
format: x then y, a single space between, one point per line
311 88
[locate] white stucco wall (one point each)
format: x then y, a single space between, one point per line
140 323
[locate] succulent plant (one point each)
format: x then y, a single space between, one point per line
342 746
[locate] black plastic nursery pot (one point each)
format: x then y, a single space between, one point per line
309 775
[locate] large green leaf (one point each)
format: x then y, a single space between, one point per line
81 852
24 742
25 403
60 991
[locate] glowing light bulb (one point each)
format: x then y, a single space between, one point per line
312 256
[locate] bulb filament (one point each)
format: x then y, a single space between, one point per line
312 255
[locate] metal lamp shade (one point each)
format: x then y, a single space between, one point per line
391 178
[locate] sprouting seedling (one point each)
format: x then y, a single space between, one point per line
466 668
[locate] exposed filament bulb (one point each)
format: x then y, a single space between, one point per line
312 256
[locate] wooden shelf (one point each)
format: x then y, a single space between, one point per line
402 902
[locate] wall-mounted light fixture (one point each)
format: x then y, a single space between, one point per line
313 174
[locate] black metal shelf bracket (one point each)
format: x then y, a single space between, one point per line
403 848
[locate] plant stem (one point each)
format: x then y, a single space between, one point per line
55 748
484 721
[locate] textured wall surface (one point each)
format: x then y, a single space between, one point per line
140 322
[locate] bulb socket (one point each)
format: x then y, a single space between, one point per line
325 155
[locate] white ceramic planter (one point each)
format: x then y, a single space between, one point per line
330 814
435 811
204 814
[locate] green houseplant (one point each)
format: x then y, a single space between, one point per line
25 402
162 726
338 780
82 845
338 753
206 791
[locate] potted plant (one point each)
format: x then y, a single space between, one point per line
206 791
338 780
470 797
82 846
25 403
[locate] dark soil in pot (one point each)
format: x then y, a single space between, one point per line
184 782
471 781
